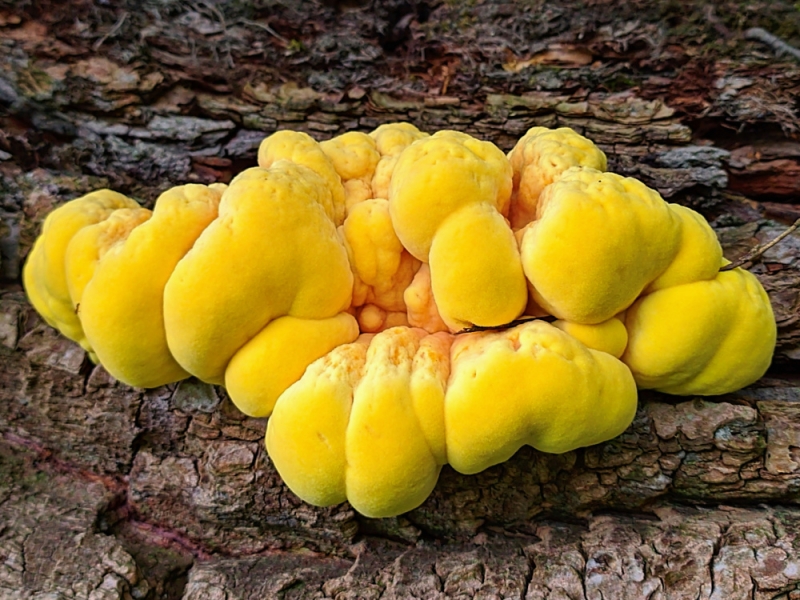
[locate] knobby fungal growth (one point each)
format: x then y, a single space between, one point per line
398 301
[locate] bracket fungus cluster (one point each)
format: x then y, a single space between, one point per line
331 286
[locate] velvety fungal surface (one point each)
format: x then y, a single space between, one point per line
398 301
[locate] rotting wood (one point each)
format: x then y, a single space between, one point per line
95 94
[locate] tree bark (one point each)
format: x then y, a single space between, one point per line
112 492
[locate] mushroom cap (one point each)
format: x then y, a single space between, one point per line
436 176
708 337
372 422
269 285
535 385
447 198
539 158
392 138
420 305
89 246
300 148
598 240
476 272
306 434
373 319
273 251
36 291
278 355
352 427
390 141
122 303
44 275
354 156
699 254
382 178
86 249
356 191
382 268
391 467
609 336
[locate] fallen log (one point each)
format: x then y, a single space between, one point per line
168 492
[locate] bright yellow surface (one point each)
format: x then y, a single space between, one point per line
354 156
355 192
122 304
539 158
376 427
422 310
37 294
306 432
366 423
301 149
273 251
383 176
373 319
699 256
598 241
390 467
392 138
533 385
277 357
609 336
44 274
296 287
430 372
447 199
709 337
436 176
476 273
382 268
88 246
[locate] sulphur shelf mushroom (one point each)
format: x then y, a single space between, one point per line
374 421
381 295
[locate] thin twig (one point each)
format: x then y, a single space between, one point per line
266 28
759 250
514 323
213 11
778 45
112 32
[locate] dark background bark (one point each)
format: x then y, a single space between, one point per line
112 492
